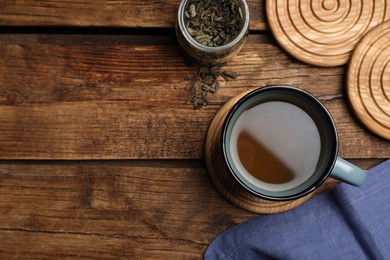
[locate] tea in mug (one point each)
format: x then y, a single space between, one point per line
275 145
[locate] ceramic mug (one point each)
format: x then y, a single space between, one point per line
280 143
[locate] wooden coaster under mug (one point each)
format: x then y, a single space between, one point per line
228 186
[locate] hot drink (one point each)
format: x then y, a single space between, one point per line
275 145
280 143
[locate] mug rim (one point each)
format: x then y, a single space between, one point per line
334 137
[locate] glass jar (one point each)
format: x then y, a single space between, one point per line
206 54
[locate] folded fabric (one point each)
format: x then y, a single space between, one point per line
344 223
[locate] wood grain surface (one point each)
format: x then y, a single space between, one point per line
100 157
115 209
104 13
110 210
116 100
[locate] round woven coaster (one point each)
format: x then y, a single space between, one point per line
368 80
227 185
323 32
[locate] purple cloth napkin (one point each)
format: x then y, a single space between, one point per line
345 223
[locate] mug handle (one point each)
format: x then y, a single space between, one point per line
348 173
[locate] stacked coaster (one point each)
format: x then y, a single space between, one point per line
327 33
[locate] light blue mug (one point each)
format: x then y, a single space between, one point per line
329 165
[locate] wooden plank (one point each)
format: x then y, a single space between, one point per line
108 99
84 210
115 13
113 209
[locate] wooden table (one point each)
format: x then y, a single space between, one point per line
100 156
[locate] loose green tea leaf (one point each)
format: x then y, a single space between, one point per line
208 88
217 86
210 79
182 80
229 75
214 22
205 81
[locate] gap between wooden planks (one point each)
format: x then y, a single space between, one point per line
108 99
